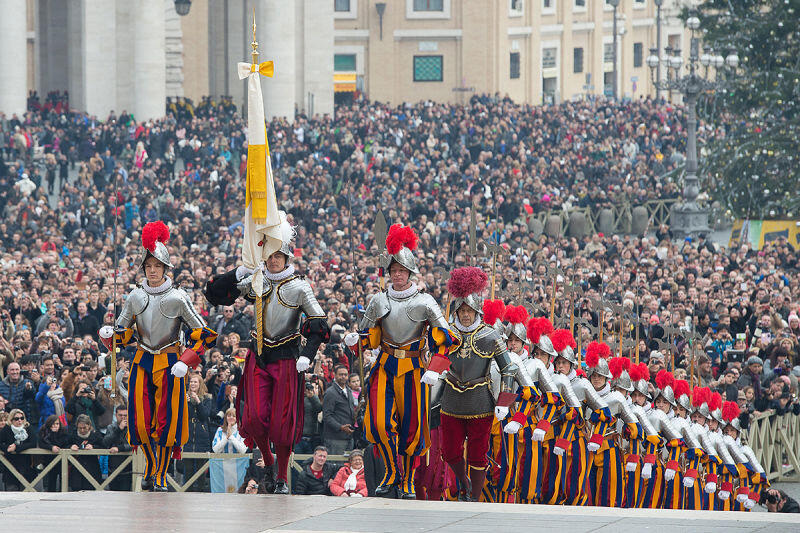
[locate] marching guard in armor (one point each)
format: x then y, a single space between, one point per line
702 493
646 448
403 324
153 316
269 405
660 415
468 406
691 450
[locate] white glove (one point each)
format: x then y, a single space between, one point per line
242 272
630 467
356 495
723 495
741 498
710 487
647 471
688 482
592 446
512 427
749 504
351 339
500 412
558 451
106 332
179 369
669 474
430 377
303 363
539 434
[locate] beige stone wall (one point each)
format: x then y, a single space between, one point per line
195 51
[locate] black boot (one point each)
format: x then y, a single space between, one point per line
281 487
147 484
269 479
160 488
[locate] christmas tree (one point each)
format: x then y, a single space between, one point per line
754 167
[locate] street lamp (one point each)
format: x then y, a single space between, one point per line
615 5
658 45
687 217
182 7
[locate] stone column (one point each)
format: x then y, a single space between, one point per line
277 36
13 54
99 57
149 60
318 57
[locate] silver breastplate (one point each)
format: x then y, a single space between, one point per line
406 321
641 416
540 375
586 393
284 303
565 388
719 446
158 317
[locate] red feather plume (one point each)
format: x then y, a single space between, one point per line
154 232
638 372
730 411
537 327
516 314
616 365
700 396
594 351
493 310
399 236
681 387
562 338
580 372
467 280
715 402
664 378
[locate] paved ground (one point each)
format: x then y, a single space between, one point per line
110 511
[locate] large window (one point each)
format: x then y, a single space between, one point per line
514 65
577 60
580 4
344 62
428 68
428 5
549 57
638 51
548 5
516 6
341 5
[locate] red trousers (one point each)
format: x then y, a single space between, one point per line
474 430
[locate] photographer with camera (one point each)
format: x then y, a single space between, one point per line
312 406
85 402
50 399
777 501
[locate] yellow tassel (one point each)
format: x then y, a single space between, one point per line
259 324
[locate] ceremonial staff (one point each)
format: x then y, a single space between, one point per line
113 369
359 352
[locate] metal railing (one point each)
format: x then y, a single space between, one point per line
658 212
775 440
133 460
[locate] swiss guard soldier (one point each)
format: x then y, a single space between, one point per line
403 324
153 316
468 405
269 405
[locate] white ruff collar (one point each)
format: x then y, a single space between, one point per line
572 375
605 390
280 276
647 407
164 287
400 295
524 355
468 329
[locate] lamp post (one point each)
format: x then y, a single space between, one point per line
659 3
615 5
687 217
182 7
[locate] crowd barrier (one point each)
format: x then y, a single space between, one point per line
775 440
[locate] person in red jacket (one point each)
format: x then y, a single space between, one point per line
349 480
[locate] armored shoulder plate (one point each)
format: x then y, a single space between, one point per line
540 374
661 423
565 388
139 300
751 455
377 308
641 416
424 308
586 393
702 436
721 448
296 293
486 341
173 303
620 408
735 448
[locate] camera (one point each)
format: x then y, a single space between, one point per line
309 385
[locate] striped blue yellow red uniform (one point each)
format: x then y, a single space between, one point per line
607 477
673 489
693 496
727 474
580 459
633 479
649 449
396 417
565 430
157 403
512 445
744 485
531 468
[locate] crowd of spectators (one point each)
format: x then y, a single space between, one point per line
70 183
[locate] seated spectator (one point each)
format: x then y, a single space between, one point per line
349 480
16 437
82 436
53 436
316 474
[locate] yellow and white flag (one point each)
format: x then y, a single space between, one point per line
262 232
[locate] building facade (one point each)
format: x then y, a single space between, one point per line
535 51
133 54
